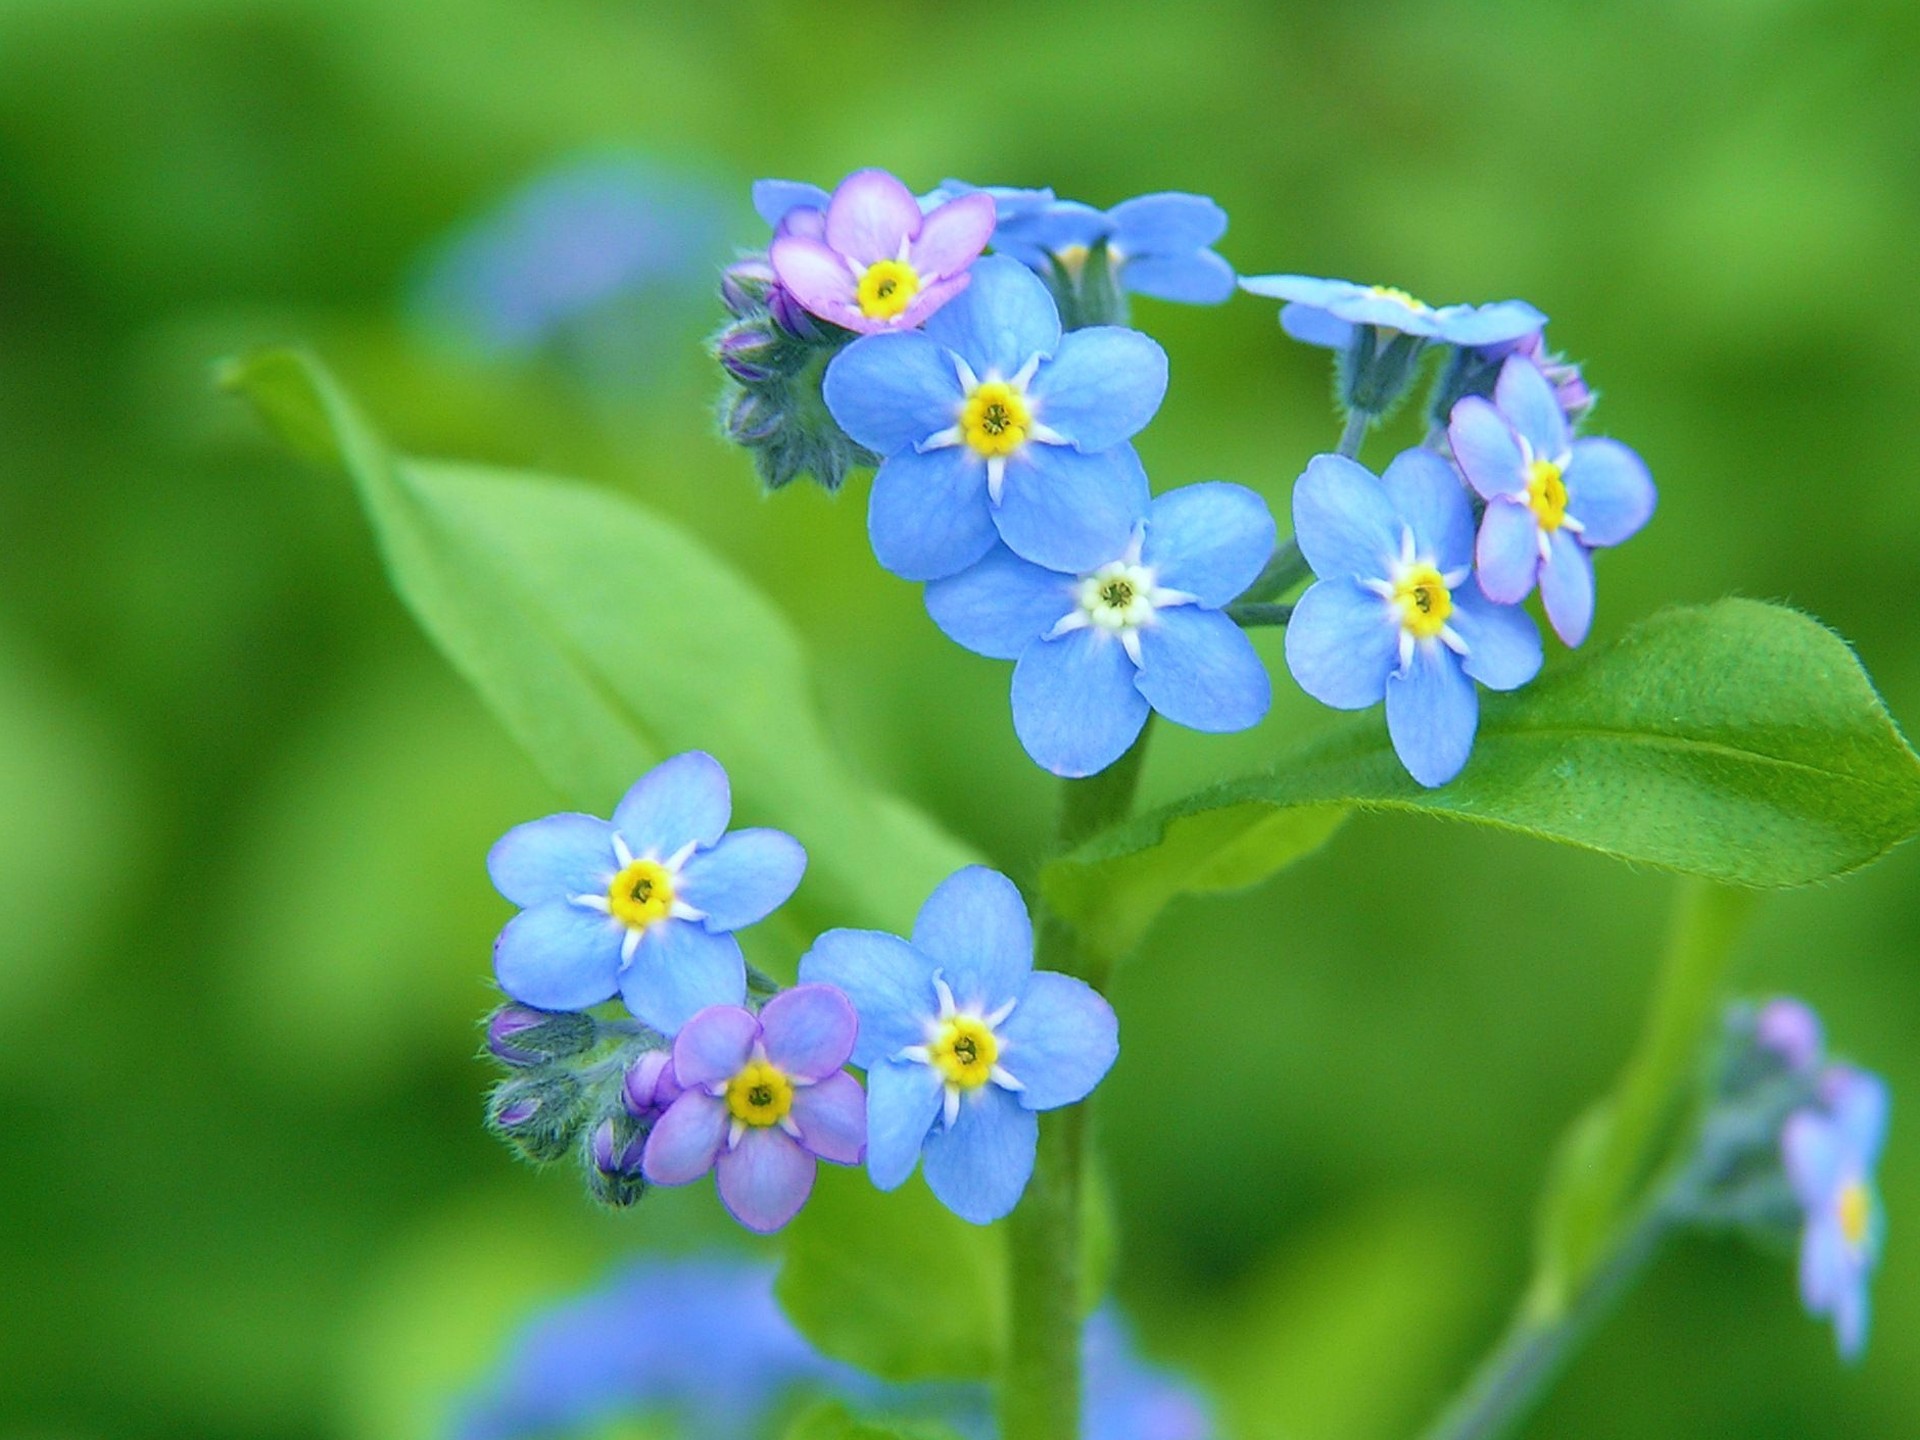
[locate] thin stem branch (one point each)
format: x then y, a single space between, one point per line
1287 568
1355 435
1040 1392
1251 615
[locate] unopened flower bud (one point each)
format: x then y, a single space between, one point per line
520 1035
745 285
614 1152
538 1115
790 315
752 419
746 351
1790 1030
650 1085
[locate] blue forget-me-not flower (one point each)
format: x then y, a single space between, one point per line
643 906
1393 614
1326 312
1158 245
963 1041
1550 498
993 424
1098 649
1830 1153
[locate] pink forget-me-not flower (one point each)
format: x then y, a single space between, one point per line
963 1041
995 425
1830 1152
643 906
761 1097
1550 498
1098 649
1393 614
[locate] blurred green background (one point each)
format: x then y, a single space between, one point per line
243 806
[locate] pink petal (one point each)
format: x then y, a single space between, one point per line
869 216
714 1044
684 1143
952 236
809 1030
765 1179
815 276
832 1119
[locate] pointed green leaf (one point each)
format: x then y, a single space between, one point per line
606 638
1738 741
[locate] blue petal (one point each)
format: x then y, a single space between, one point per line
1566 587
554 858
1860 1113
1608 491
1432 500
1811 1155
1069 511
1500 323
678 971
1202 278
772 199
1199 670
1300 289
1075 707
928 515
1060 1041
1342 643
1346 526
1503 643
557 956
1101 387
1000 605
980 1167
1059 227
1432 711
1508 551
1852 1307
744 878
1211 540
1171 222
975 928
903 1101
1002 319
892 391
889 982
680 799
1484 444
1523 395
1313 326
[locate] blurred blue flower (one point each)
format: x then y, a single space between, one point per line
1790 1030
702 1343
1392 614
1551 499
992 424
644 906
1830 1153
1158 245
1325 312
1098 649
962 1041
592 231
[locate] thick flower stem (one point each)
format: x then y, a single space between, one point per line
1040 1393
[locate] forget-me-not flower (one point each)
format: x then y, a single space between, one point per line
1326 312
760 1097
877 263
963 1041
644 906
1158 245
993 424
1830 1154
1393 613
1791 1031
1096 650
1550 498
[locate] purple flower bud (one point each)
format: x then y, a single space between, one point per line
746 350
650 1085
617 1148
753 419
539 1115
1792 1031
521 1036
790 315
745 284
516 1113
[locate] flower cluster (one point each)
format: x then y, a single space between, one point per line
700 1080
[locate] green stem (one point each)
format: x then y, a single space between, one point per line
1355 433
1287 568
1040 1393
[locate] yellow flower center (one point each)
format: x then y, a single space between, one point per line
887 289
1547 494
965 1051
1394 292
995 418
641 894
1423 600
760 1095
1856 1212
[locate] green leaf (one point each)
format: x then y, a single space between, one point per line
1112 902
1738 741
830 1420
893 1282
607 638
1616 1148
